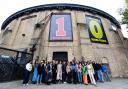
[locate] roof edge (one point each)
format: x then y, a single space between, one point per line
59 6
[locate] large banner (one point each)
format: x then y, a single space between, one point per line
96 30
61 28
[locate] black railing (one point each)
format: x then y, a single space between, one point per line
9 72
12 63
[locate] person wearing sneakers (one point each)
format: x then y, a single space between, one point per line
27 70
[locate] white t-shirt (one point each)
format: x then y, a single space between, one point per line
90 68
59 67
29 66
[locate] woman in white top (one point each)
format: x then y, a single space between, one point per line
91 73
28 69
59 72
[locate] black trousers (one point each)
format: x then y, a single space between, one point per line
43 76
89 81
74 77
96 76
26 76
64 76
54 78
69 77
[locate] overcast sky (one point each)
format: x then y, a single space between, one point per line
8 7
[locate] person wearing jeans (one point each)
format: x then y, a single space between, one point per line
105 72
74 72
79 73
39 78
99 73
49 73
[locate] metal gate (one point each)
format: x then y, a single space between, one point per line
12 63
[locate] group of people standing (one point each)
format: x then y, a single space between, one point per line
66 72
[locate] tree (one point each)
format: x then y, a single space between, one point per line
126 2
124 14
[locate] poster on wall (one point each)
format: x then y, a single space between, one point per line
60 28
96 30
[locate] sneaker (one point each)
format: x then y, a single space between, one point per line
95 85
24 84
65 82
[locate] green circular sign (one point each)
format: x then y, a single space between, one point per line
93 25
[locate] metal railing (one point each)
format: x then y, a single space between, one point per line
12 63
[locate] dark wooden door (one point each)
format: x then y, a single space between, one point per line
60 56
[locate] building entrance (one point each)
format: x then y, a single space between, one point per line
60 56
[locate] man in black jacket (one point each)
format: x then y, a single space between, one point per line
54 71
43 71
64 73
95 66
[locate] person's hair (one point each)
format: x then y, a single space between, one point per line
29 61
79 62
59 62
48 62
70 62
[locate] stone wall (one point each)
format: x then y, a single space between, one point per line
114 53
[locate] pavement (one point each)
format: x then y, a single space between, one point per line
114 84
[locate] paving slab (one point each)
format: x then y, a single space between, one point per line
114 84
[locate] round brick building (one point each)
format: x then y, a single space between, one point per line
65 31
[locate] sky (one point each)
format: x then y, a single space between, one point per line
8 7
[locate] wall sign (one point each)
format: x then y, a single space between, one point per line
61 28
96 30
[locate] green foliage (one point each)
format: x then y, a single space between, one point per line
126 2
125 16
